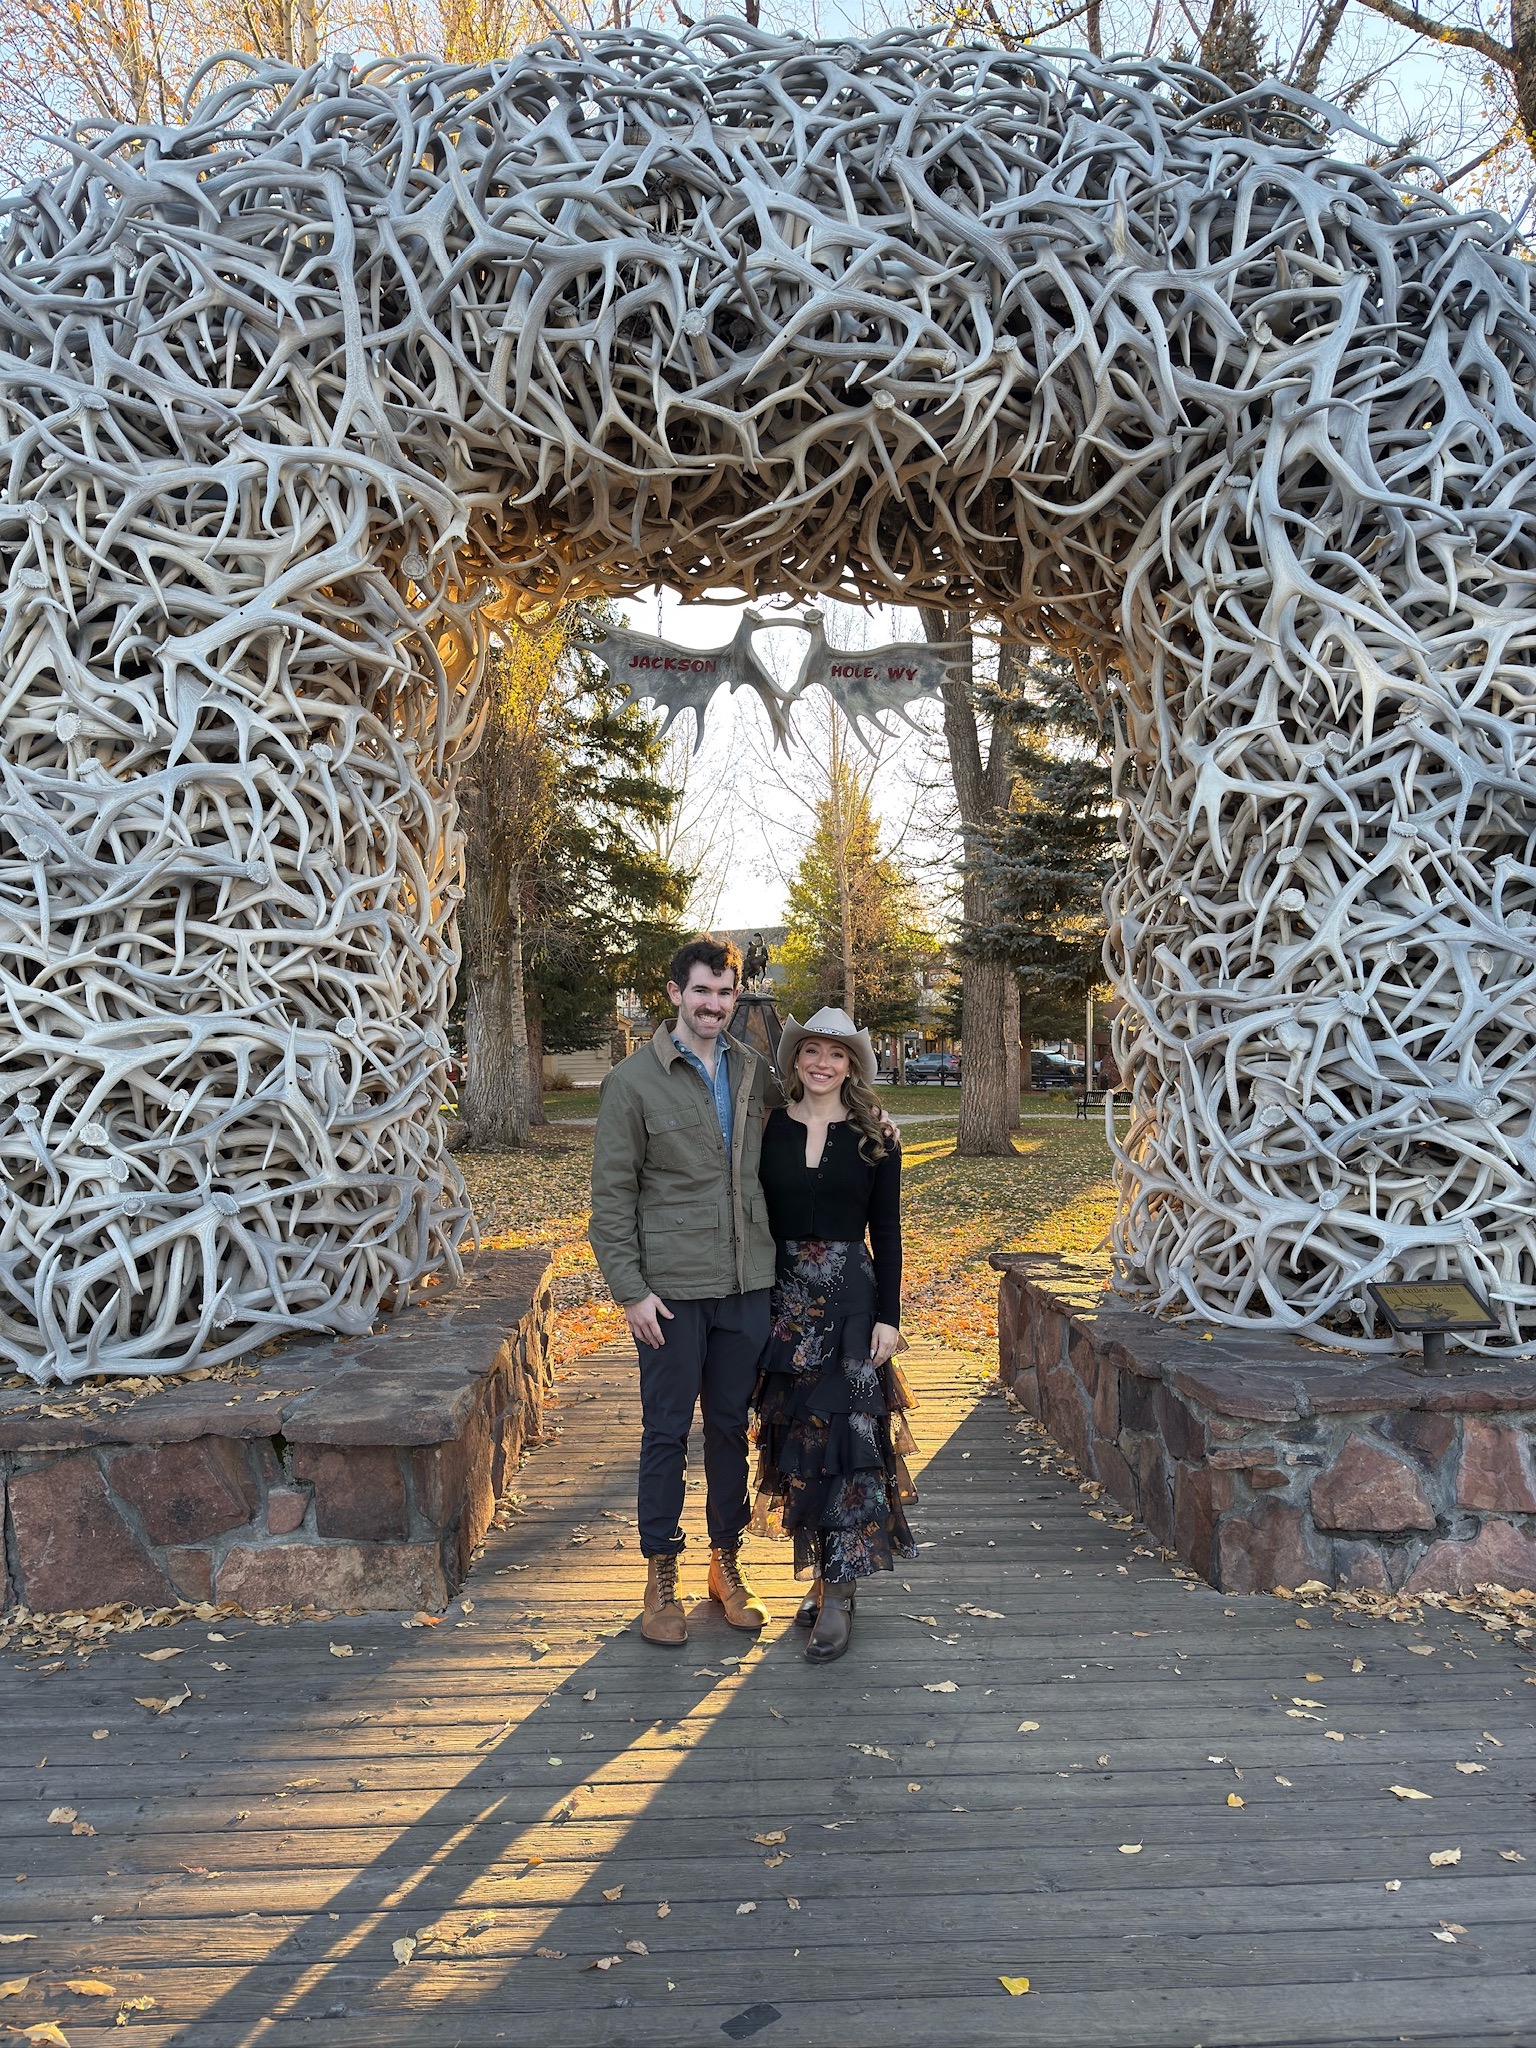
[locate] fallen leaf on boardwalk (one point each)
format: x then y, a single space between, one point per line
89 1987
746 1906
1444 1934
927 1620
1442 1858
1014 1986
13 1987
872 1749
6 1939
1313 1677
775 1713
550 1955
1130 1848
1233 1799
144 2003
61 1816
981 1613
1407 1792
1421 1649
914 1787
605 1962
793 1905
773 1862
425 1620
82 1827
404 1948
165 1706
1505 1856
158 1656
705 1672
1283 1781
44 2031
637 1948
1295 1702
772 1841
1453 1927
590 1696
218 1667
1393 1884
662 1910
942 1685
1358 1665
1028 1727
342 1650
300 1784
1332 1735
614 1895
1471 1770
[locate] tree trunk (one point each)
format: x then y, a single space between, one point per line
981 785
493 1102
533 1009
1011 1046
1522 44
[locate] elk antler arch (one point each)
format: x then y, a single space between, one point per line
290 388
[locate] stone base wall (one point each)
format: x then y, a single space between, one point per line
352 1474
1264 1463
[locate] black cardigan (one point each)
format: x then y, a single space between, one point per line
841 1199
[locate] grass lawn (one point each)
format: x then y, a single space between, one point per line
1053 1195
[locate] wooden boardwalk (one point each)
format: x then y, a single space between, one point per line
529 1789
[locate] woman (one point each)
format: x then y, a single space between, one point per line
830 1400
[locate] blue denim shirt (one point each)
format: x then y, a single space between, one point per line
720 1087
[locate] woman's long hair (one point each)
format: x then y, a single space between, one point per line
859 1100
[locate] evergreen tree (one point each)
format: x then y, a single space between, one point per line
857 933
1050 854
564 902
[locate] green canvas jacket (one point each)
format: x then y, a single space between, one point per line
670 1215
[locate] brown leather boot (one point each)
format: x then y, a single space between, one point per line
661 1619
730 1590
810 1607
834 1625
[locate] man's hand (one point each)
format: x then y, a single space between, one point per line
643 1319
883 1341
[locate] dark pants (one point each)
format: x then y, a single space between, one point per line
711 1356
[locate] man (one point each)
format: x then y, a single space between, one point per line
680 1230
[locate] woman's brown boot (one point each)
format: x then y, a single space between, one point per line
662 1619
834 1625
810 1607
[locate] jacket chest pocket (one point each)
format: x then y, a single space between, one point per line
681 1140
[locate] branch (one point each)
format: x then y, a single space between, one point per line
1444 32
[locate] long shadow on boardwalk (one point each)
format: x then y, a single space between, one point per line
1023 1769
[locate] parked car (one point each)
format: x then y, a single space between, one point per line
942 1067
1050 1070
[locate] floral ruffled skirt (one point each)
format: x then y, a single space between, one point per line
831 1429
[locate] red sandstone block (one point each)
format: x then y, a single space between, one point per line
1253 1396
1271 1545
286 1507
73 1547
1429 1437
1370 1487
1106 1401
1361 1567
1499 1555
379 1576
1199 1497
1154 1484
359 1489
186 1492
1265 1477
1065 1414
1177 1424
1109 1465
191 1573
1495 1468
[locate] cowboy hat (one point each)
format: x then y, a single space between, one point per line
836 1026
